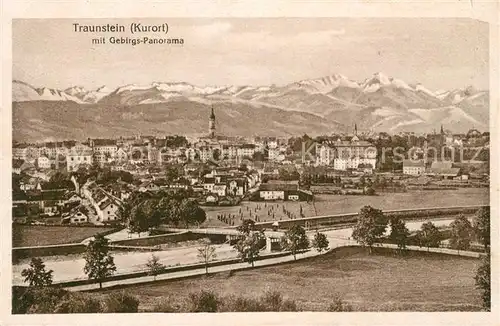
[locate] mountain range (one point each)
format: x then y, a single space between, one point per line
316 106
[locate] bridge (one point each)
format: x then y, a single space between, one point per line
231 235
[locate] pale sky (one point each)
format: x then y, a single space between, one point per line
439 53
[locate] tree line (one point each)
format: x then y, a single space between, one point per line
145 210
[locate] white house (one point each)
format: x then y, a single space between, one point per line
43 162
78 215
78 156
220 189
108 211
413 167
121 155
237 187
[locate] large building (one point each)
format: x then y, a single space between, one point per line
344 155
79 155
413 167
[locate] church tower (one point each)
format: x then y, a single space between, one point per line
211 124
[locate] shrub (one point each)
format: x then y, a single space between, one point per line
205 301
272 300
338 305
288 305
36 300
78 303
242 304
168 306
121 302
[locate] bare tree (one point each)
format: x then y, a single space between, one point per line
207 254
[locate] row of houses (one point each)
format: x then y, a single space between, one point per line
437 168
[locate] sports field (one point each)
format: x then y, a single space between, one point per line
340 204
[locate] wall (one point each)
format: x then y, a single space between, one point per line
410 214
159 239
64 249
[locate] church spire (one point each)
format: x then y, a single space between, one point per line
212 114
211 123
442 130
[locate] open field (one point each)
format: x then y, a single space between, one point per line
378 282
37 235
340 204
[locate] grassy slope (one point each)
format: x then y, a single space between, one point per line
382 282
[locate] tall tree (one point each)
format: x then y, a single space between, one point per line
171 175
154 266
99 264
191 213
36 275
429 235
461 233
295 240
320 242
249 246
482 226
246 226
370 227
138 220
399 232
207 254
483 281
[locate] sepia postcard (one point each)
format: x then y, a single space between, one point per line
240 166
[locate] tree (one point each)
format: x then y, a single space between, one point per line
320 242
137 221
482 226
36 275
171 175
207 254
370 227
429 235
99 264
295 240
216 154
246 226
399 232
369 191
249 246
483 281
461 233
154 266
191 213
258 156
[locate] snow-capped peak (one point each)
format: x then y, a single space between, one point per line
326 84
75 90
420 88
381 78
